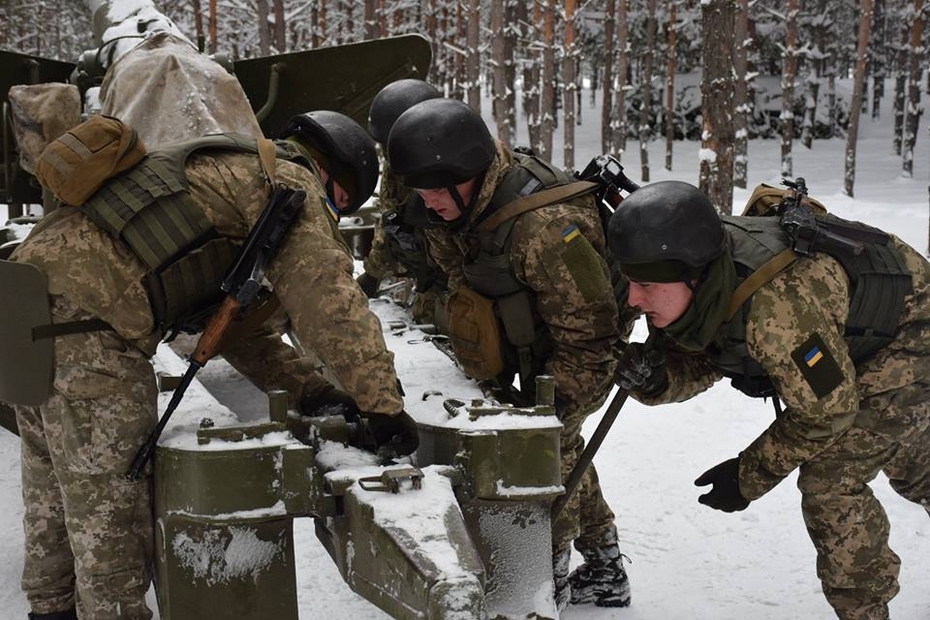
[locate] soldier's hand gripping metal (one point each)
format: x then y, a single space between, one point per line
242 285
642 369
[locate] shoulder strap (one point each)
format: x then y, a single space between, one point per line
267 154
549 196
757 278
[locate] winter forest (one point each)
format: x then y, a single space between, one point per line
720 72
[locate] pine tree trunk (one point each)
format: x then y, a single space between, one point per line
645 106
547 99
264 31
619 125
371 19
510 69
569 88
211 27
788 78
672 57
499 74
198 24
716 160
741 103
610 15
900 86
913 103
473 66
855 107
531 78
280 26
877 57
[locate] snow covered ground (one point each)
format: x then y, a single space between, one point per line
688 561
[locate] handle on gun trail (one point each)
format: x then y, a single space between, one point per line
597 438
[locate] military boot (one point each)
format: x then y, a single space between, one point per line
601 580
58 615
563 591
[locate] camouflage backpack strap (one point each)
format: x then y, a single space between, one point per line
763 274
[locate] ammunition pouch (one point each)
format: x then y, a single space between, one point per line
26 365
80 161
475 333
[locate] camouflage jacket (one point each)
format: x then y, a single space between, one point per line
580 313
809 300
311 274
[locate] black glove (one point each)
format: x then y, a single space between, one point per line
369 285
642 369
392 436
329 400
725 493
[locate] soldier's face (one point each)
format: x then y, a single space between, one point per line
340 196
662 302
442 202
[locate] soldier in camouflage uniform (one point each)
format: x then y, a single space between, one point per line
88 528
399 246
843 339
552 261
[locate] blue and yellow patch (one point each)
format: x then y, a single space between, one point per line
333 211
570 233
813 356
818 366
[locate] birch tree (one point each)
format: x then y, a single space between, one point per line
855 107
716 158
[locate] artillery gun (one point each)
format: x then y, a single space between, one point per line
460 531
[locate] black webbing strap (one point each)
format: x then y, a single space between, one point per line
71 327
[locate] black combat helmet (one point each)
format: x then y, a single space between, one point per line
665 232
440 143
343 148
392 101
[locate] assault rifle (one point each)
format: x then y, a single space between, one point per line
809 233
608 172
242 284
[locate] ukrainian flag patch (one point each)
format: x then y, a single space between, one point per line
333 211
813 356
570 233
818 366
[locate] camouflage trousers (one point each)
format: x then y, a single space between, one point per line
586 519
88 530
847 524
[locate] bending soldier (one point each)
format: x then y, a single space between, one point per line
89 533
839 336
399 247
544 273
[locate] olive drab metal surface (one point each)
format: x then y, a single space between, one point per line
344 78
26 364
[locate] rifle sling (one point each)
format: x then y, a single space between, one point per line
267 155
757 278
552 195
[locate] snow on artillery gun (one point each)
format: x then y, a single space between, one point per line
465 535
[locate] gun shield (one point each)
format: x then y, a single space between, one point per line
26 370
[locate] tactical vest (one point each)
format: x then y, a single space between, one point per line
878 282
149 208
491 274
